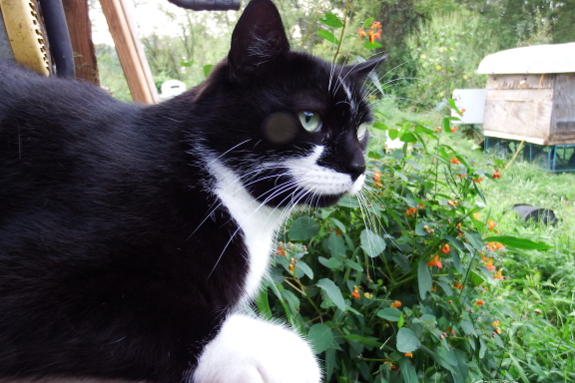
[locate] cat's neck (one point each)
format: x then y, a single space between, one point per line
257 223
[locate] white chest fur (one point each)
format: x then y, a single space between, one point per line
257 223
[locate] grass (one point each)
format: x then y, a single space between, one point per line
537 298
536 301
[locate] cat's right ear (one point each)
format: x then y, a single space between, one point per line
258 37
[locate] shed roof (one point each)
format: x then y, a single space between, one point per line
556 58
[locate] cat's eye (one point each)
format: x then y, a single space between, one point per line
362 130
310 121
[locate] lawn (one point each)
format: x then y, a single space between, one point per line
537 298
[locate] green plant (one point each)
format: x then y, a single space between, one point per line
393 285
448 50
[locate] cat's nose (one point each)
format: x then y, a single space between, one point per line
356 169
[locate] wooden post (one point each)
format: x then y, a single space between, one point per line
130 53
80 29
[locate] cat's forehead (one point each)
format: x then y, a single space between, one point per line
331 84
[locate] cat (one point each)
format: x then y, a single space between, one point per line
132 235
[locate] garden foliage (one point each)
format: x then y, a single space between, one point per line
390 285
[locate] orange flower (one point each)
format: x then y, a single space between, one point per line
454 129
477 179
421 206
495 324
458 285
494 246
411 211
391 364
496 174
452 203
361 32
355 293
408 354
491 225
281 251
498 275
375 25
396 304
455 160
445 249
435 262
479 302
377 178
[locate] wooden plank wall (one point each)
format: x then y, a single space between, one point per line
563 117
519 106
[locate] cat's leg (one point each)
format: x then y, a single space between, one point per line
251 350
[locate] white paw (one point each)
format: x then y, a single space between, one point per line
250 350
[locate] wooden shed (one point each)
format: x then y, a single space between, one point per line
530 94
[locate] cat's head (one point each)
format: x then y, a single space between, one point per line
295 126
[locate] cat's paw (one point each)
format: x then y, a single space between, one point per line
250 350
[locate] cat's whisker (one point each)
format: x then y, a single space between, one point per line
228 151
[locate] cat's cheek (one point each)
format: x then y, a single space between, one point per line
251 350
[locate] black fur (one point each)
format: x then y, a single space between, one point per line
109 227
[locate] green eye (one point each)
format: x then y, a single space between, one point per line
362 130
310 121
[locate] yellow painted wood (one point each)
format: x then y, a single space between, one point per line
25 34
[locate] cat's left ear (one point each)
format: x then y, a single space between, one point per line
258 37
362 69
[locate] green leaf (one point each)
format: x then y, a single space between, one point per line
207 69
333 292
320 337
302 229
304 267
328 36
331 263
371 243
187 63
367 341
349 201
408 137
407 371
474 240
331 20
407 340
390 313
370 45
424 281
467 327
446 125
263 304
367 23
400 321
380 125
393 134
518 243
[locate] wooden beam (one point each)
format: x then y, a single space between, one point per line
80 29
130 53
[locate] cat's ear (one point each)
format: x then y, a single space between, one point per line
258 37
361 70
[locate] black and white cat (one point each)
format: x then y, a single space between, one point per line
130 235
